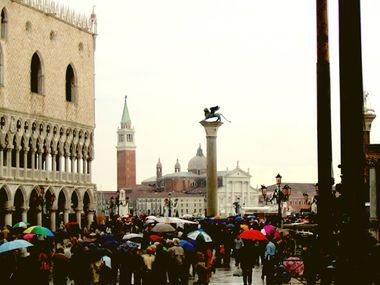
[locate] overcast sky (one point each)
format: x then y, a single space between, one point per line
255 59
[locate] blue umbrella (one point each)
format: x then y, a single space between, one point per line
230 226
187 245
15 244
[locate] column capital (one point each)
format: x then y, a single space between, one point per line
9 209
211 128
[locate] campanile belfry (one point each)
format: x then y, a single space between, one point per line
126 152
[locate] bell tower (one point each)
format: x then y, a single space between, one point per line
126 152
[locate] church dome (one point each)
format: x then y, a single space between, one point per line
198 164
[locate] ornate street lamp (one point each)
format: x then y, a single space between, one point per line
281 195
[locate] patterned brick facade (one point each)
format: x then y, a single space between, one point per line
126 169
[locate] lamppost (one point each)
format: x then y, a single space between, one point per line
281 195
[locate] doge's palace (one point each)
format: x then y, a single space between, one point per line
47 114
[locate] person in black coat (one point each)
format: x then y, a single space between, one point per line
248 256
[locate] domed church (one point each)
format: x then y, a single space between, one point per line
181 181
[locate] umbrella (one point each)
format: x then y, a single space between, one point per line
155 238
150 221
29 236
15 244
277 234
110 242
128 245
39 230
252 234
21 225
294 265
163 228
269 229
151 218
132 236
107 261
230 226
199 235
187 245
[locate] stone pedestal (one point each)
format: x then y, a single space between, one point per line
211 129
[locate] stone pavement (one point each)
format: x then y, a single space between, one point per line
225 276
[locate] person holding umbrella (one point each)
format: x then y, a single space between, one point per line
248 256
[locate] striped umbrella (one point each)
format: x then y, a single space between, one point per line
21 225
199 235
39 230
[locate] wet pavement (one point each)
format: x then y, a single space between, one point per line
225 276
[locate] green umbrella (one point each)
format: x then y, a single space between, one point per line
39 230
21 225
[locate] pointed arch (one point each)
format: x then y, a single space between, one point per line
19 205
4 23
71 84
36 74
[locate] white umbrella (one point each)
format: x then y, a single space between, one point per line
151 218
132 235
163 228
174 220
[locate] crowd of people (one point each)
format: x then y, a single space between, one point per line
128 251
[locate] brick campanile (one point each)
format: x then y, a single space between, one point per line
126 152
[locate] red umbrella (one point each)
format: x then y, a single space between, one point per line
155 238
277 234
253 234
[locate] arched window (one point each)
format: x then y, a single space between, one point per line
4 23
70 84
36 77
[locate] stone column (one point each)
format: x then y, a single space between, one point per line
90 217
211 129
67 163
1 162
66 216
79 158
25 162
17 161
52 219
40 161
72 164
78 214
85 165
33 162
8 216
24 214
39 216
372 190
9 161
